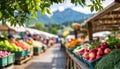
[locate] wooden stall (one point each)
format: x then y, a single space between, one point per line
106 20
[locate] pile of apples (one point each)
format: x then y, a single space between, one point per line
4 53
95 53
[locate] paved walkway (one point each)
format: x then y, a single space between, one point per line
53 58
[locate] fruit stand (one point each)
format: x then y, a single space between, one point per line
16 50
37 47
97 54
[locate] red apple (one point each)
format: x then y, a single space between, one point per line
86 50
103 47
85 54
104 44
107 50
87 57
97 47
91 59
92 55
98 56
94 50
81 52
100 51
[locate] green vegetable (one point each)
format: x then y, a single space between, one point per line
110 61
94 45
81 47
117 66
112 42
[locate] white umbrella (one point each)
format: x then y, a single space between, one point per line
70 37
101 34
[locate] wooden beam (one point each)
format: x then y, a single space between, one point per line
106 22
90 31
97 29
108 19
114 12
94 31
106 25
109 16
102 23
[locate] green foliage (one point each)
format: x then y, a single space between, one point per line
39 26
17 11
110 61
51 28
96 5
54 30
112 42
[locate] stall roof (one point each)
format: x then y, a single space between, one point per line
106 20
35 31
5 27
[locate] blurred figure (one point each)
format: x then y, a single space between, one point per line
47 41
62 41
35 37
10 36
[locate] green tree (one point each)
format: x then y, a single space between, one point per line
54 30
17 11
40 26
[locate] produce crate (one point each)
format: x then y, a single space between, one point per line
11 59
37 50
3 61
19 53
91 65
30 51
79 57
72 48
25 53
20 61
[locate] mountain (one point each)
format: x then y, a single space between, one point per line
61 17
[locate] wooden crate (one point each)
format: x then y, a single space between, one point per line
22 60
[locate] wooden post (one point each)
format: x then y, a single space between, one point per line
76 30
90 31
75 33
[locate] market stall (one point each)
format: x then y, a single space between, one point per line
20 50
106 20
97 54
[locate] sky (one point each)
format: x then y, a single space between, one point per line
67 4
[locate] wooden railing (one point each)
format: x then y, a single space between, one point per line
73 63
